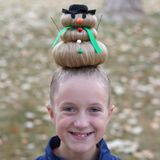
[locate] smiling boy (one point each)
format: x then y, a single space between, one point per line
80 92
80 110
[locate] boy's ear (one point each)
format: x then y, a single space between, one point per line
51 112
112 110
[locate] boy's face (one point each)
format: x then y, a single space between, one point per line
80 113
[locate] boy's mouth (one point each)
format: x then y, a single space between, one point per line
80 135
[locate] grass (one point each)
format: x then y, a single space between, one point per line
26 68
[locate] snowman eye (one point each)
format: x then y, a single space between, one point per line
84 16
73 16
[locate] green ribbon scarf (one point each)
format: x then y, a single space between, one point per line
59 35
90 34
93 40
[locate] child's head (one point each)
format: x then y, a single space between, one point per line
80 90
80 106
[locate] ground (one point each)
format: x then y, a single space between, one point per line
26 67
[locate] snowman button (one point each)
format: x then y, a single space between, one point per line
79 29
79 41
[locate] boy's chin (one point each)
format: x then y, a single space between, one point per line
81 148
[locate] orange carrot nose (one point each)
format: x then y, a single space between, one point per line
79 20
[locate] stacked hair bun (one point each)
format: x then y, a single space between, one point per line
78 46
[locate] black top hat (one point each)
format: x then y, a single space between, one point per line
78 8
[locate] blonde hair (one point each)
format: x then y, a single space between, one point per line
72 62
90 20
72 35
65 54
63 74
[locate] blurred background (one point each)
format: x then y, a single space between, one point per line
132 33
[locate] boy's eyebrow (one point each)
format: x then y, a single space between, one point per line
90 104
96 104
66 103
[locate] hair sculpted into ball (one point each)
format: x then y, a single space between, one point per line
78 46
78 52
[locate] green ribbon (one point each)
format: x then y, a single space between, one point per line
93 40
90 34
59 35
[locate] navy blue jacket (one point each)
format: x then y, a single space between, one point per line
104 153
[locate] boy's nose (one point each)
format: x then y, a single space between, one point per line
81 122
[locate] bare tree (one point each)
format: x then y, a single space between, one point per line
120 10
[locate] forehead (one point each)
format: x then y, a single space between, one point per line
84 82
80 88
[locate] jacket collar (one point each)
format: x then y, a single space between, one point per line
54 142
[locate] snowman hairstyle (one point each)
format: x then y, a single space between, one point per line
78 52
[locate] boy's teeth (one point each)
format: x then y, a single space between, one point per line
81 134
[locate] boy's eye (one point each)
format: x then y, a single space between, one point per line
69 109
95 109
